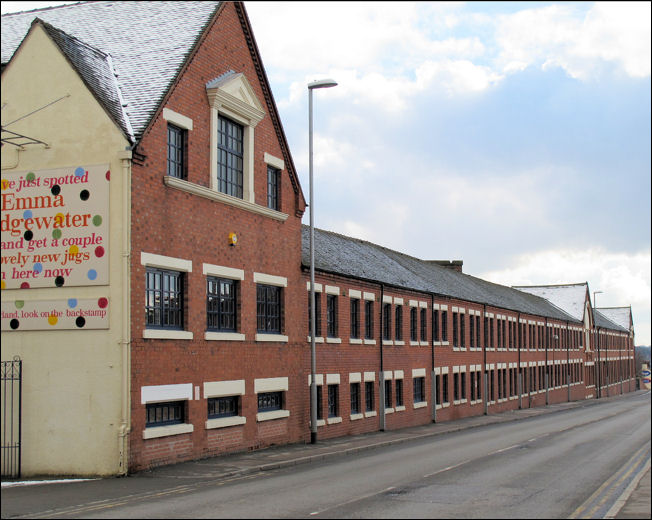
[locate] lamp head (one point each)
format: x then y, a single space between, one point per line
322 83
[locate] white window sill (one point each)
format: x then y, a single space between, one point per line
400 408
389 410
320 422
164 431
399 343
225 422
445 405
355 341
421 404
370 414
334 420
278 338
318 339
388 342
423 343
203 191
369 341
270 416
224 336
333 340
166 334
414 343
356 416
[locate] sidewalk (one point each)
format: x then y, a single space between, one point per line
635 501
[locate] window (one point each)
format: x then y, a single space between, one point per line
486 332
369 396
462 331
456 386
355 318
331 315
230 157
317 315
355 398
398 325
419 389
478 386
387 321
491 332
164 299
477 331
399 392
424 325
270 401
320 407
221 304
437 389
413 324
473 383
223 406
368 319
273 191
444 387
333 400
499 332
435 325
463 385
444 325
455 331
268 308
388 393
471 332
177 152
164 414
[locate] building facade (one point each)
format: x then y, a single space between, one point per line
155 275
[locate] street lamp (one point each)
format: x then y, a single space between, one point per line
594 293
324 83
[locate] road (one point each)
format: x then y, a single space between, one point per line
567 464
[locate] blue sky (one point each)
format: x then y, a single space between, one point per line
512 135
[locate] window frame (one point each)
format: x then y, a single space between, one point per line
273 188
218 313
227 155
177 166
354 318
268 305
161 308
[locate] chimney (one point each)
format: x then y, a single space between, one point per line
455 265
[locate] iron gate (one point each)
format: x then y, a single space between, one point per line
11 391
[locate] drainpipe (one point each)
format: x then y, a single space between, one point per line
599 369
485 373
381 376
433 388
568 361
125 420
518 370
545 369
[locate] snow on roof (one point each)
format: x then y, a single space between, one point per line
619 315
570 297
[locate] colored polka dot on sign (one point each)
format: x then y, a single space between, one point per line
102 303
74 250
38 267
92 274
27 214
28 235
97 220
108 175
56 234
2 284
59 281
30 176
14 324
72 303
52 319
4 184
24 285
84 195
79 172
80 321
56 189
99 251
19 304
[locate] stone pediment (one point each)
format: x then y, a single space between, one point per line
232 92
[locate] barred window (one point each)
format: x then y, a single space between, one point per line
477 331
268 308
398 325
355 398
223 406
270 401
424 325
331 315
419 389
333 400
355 318
456 341
472 331
273 178
369 396
444 388
413 324
435 325
462 331
444 325
164 414
369 319
177 152
399 392
387 321
388 393
164 299
230 157
221 304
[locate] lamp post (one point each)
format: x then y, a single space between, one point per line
594 293
597 346
324 83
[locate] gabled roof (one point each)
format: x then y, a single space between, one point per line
569 297
96 70
148 43
621 316
351 257
604 322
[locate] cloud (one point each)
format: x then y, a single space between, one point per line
557 36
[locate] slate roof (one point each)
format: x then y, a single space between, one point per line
621 316
147 43
346 256
602 321
569 297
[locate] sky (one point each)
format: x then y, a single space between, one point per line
514 136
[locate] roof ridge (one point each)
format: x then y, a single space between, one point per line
552 285
48 8
48 25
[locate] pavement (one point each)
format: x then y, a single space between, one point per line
634 502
